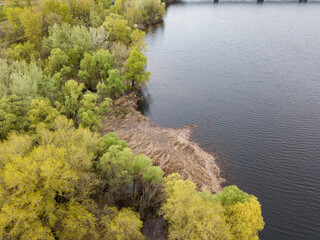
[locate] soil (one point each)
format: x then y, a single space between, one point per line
169 148
154 228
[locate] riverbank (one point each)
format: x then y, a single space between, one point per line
169 148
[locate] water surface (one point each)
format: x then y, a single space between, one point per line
249 76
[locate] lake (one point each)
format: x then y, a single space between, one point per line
248 75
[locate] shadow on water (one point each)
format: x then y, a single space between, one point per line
144 102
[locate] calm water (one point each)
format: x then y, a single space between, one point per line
249 76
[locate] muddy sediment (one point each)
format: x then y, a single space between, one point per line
169 148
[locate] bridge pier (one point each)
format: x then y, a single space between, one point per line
260 1
215 1
302 1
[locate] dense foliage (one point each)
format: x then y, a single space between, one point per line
230 214
62 62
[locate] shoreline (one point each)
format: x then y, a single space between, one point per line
169 148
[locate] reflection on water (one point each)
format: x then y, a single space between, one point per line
144 102
248 76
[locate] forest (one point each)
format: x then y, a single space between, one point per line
62 64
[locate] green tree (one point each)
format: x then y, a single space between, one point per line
108 140
90 113
128 179
13 115
231 195
95 67
66 37
135 68
20 78
115 85
58 61
102 90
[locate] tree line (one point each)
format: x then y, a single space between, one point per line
62 63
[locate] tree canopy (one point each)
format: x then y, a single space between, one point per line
62 61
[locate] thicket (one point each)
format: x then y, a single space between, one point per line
62 62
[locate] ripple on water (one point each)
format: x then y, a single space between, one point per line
248 76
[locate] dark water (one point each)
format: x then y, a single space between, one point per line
249 76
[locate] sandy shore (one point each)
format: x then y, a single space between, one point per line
171 149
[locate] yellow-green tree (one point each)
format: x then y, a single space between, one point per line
14 29
135 67
56 12
32 22
242 212
41 112
188 215
121 225
38 197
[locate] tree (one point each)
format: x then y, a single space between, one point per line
231 195
13 3
135 68
121 225
90 113
20 78
14 29
190 217
137 39
153 175
150 12
120 32
41 112
58 61
72 96
115 83
128 179
95 67
32 22
37 205
99 37
13 115
243 213
120 52
56 12
47 184
66 37
80 9
108 140
5 81
23 51
118 28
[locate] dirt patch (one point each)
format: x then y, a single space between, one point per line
169 148
154 228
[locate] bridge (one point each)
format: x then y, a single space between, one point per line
261 1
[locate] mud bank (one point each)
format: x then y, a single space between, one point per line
169 148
